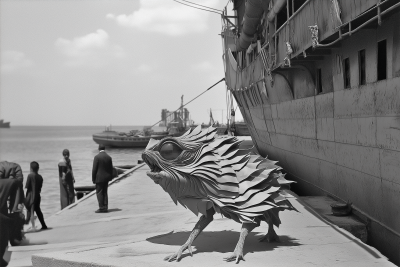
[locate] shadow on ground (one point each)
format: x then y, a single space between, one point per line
222 241
114 210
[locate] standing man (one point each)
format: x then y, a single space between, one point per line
67 180
102 173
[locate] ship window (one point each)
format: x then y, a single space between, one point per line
346 72
319 81
361 66
382 60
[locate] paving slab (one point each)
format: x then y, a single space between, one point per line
144 226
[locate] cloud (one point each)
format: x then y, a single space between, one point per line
166 17
13 60
144 68
203 66
93 49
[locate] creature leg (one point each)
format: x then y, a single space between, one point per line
200 225
237 254
271 236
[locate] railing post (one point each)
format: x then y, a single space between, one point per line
275 22
292 7
379 12
287 10
349 28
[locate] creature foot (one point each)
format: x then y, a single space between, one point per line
270 237
176 256
236 256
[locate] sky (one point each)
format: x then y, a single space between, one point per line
108 62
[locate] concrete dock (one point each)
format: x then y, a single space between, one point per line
144 226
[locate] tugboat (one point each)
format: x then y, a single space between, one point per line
4 124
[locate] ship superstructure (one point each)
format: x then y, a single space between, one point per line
318 85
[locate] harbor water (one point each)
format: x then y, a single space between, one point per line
44 144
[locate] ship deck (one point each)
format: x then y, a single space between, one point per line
144 226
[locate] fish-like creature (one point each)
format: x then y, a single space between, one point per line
210 174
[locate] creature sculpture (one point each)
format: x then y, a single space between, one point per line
209 174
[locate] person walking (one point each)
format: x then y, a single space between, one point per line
67 180
102 173
34 184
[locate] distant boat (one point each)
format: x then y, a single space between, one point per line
4 124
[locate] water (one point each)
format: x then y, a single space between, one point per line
44 144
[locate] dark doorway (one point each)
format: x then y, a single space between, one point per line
382 60
361 67
346 72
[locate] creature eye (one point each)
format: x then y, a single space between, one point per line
170 151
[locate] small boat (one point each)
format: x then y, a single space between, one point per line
4 124
132 139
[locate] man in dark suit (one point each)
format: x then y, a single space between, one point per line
102 173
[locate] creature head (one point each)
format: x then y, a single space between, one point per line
172 155
195 159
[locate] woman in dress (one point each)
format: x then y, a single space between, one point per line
66 176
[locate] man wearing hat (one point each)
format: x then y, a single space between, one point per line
102 173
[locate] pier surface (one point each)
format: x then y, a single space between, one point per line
144 226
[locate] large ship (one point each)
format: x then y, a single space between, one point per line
318 85
4 124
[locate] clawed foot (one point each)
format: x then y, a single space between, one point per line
235 256
177 256
270 237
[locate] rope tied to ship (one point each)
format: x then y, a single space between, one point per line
268 64
314 36
289 51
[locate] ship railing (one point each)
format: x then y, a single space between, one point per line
316 12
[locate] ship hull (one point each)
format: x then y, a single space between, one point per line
345 144
5 125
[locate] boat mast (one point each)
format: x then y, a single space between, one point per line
182 115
